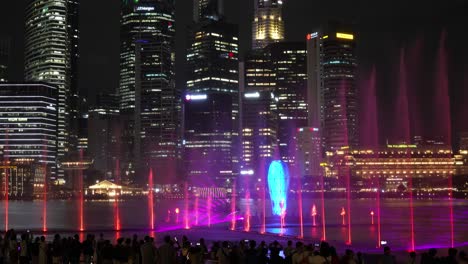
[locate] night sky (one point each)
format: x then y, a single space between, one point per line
382 28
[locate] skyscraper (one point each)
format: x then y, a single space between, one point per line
332 75
148 96
289 62
28 114
259 130
209 139
104 134
48 55
76 103
212 70
207 9
4 57
213 57
268 25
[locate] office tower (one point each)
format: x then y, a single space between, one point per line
463 141
309 151
48 55
29 123
149 101
332 75
259 73
76 104
104 134
212 70
212 58
208 139
289 63
259 130
268 25
4 57
207 9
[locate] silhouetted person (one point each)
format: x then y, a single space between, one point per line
452 256
462 258
88 249
107 252
35 250
429 257
387 257
348 258
75 250
251 254
224 254
334 259
43 251
412 258
24 250
275 249
166 253
288 252
57 250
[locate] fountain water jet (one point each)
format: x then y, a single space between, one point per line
81 194
150 200
314 215
196 210
186 206
209 205
117 179
403 113
247 211
233 208
443 117
343 214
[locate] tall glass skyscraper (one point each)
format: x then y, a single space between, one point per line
332 67
212 70
268 25
4 57
49 36
289 62
28 121
148 96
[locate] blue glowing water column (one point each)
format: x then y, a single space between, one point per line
278 184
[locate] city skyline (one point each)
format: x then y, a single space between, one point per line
418 25
154 126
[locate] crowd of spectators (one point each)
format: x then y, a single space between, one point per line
70 250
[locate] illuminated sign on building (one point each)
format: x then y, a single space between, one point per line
312 35
145 8
195 97
252 95
344 36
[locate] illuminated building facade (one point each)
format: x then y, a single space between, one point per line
207 9
213 59
209 135
213 71
393 165
332 76
268 25
4 57
104 134
289 60
259 74
77 104
28 115
48 55
259 130
149 101
309 151
20 174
